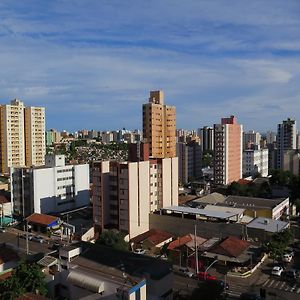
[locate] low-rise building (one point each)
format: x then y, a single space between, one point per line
50 189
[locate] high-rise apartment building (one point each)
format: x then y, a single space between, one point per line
12 135
22 135
159 126
286 139
124 193
35 136
207 138
251 140
255 162
228 161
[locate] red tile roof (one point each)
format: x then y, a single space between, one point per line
231 246
41 219
3 199
179 242
244 181
5 275
154 236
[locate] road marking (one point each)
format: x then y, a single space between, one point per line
294 287
298 291
283 284
266 282
276 284
271 282
287 288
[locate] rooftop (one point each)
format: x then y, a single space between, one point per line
242 201
41 219
153 235
212 198
199 212
269 225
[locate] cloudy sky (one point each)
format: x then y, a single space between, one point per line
92 63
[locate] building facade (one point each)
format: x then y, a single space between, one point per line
207 138
228 161
256 162
124 193
22 135
53 188
35 136
159 126
286 139
251 140
189 161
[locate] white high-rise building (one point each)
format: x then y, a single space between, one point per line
255 161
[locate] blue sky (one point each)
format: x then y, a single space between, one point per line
92 63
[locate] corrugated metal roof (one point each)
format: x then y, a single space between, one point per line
269 225
86 281
200 212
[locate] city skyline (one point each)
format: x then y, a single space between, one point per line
92 64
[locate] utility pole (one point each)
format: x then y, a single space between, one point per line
196 250
27 244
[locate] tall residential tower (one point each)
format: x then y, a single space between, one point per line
228 143
159 126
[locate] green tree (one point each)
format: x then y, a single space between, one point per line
27 278
114 239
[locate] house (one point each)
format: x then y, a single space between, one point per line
8 258
152 239
42 222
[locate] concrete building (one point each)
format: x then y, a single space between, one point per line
189 161
22 134
53 188
270 137
207 138
12 135
228 160
52 136
124 193
286 139
251 140
35 136
255 161
159 126
291 161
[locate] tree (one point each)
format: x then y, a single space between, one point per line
114 239
27 278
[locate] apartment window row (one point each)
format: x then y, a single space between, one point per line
65 186
65 178
65 170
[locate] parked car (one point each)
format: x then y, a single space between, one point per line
139 251
287 258
2 229
38 239
249 296
205 276
291 274
277 270
185 271
24 235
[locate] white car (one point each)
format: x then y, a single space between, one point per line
186 272
38 239
139 251
277 270
287 257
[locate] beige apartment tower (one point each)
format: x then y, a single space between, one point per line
35 136
12 135
159 126
22 136
228 155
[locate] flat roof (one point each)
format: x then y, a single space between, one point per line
242 201
200 212
269 225
227 209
